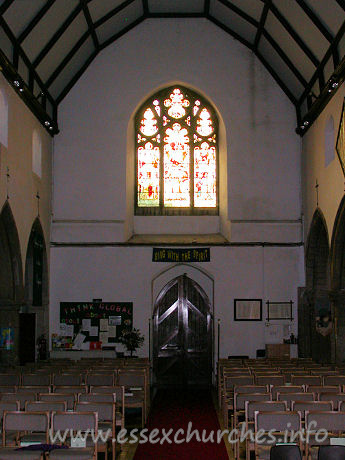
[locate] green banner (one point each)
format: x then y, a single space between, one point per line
181 255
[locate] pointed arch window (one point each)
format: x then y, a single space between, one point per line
176 143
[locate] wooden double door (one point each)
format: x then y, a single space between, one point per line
182 335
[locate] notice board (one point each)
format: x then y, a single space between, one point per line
98 321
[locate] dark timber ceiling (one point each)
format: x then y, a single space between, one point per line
46 45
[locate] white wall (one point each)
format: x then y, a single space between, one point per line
125 274
94 183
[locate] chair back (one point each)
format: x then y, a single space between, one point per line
270 380
286 389
263 406
10 379
67 379
306 380
45 406
289 397
68 398
97 397
331 453
250 389
334 380
303 406
25 421
101 379
241 398
39 379
105 410
287 452
21 397
74 421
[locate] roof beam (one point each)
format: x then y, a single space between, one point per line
89 23
122 32
25 59
112 13
230 31
76 77
45 50
4 7
320 68
35 21
240 12
341 3
176 15
294 35
285 58
261 25
67 58
315 19
277 78
207 7
146 7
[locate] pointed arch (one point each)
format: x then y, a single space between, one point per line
36 267
317 254
338 249
11 271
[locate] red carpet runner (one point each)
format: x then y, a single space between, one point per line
175 409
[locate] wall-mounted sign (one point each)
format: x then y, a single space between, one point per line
181 255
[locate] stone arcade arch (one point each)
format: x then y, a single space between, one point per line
11 278
315 335
338 281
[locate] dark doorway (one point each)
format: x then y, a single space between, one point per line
27 333
182 335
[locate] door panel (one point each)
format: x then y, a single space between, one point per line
182 335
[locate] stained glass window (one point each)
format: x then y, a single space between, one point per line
176 154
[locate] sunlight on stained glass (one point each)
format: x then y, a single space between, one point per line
205 176
176 104
204 127
148 123
176 167
148 175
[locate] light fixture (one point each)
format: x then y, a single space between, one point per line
306 123
47 123
51 128
16 83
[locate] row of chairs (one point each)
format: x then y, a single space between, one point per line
28 428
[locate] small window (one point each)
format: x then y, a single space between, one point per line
176 139
329 141
36 154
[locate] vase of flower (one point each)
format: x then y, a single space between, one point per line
132 339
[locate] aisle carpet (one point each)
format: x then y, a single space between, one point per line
175 409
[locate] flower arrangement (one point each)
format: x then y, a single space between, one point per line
132 339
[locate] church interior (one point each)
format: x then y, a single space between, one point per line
172 223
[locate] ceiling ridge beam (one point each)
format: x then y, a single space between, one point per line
89 23
112 13
229 31
294 35
35 21
315 19
5 6
45 50
334 44
261 25
285 58
26 60
240 12
176 15
67 58
277 78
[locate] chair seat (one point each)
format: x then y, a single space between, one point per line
35 438
72 453
10 453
